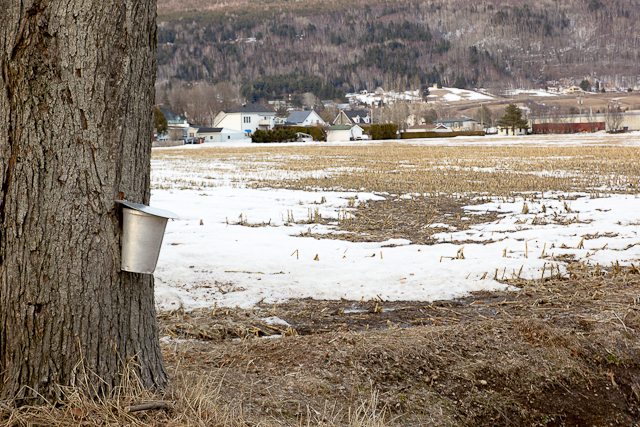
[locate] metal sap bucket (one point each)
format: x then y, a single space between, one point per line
142 232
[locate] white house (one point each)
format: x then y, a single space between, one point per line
305 118
507 131
247 118
345 133
442 128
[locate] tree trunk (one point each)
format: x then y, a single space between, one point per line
76 115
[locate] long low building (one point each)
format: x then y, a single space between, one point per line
627 121
567 127
220 135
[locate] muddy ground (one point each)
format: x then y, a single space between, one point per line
557 352
416 220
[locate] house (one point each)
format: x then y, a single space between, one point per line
351 117
177 125
278 104
214 135
345 133
461 124
422 128
193 131
305 118
279 121
507 131
442 128
572 89
247 118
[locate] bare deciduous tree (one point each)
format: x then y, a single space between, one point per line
200 103
309 100
613 119
398 113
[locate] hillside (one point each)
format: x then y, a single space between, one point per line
357 44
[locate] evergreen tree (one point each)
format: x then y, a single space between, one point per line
512 118
460 82
585 85
424 91
160 121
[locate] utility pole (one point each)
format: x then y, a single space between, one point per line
580 102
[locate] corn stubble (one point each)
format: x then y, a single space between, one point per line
402 169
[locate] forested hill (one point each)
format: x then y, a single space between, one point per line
398 44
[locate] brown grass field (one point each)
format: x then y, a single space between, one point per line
563 351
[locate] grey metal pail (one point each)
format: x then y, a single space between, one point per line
142 233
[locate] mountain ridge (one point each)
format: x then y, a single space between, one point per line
357 44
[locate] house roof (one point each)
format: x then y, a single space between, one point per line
250 107
298 116
356 113
171 116
341 127
204 129
454 120
428 126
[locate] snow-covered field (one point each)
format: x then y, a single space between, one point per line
212 256
532 92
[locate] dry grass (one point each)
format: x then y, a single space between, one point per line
193 399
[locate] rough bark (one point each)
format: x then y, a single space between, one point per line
76 98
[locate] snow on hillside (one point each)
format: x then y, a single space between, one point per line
449 94
385 97
444 94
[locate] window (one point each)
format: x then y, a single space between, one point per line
247 119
